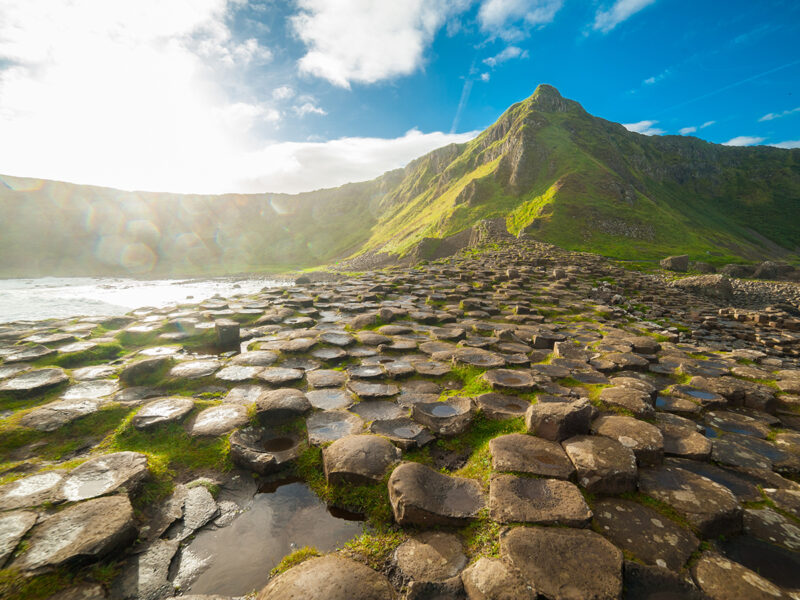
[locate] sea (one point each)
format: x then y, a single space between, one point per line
64 297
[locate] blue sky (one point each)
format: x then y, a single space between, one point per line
229 95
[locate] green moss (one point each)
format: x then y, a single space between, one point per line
170 451
472 384
481 538
476 439
14 586
295 558
370 500
375 547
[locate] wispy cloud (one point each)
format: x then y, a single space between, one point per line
352 41
744 140
507 54
607 19
787 144
656 78
509 19
785 113
283 92
300 166
644 127
693 128
309 108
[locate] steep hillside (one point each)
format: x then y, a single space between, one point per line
546 167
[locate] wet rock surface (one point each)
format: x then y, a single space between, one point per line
520 385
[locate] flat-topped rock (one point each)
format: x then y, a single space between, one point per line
515 499
477 357
280 375
509 379
736 423
636 401
771 526
284 404
13 526
708 506
330 425
162 411
330 577
648 535
90 390
364 389
643 438
142 372
528 454
30 353
263 450
565 564
84 531
358 459
32 490
195 369
447 418
403 432
744 487
330 399
430 558
557 421
218 420
255 358
602 464
120 471
721 578
34 382
727 451
682 439
494 579
325 378
499 407
55 415
422 496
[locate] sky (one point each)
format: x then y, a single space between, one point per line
213 96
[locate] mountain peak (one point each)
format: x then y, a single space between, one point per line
546 98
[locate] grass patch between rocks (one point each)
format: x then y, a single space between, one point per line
295 558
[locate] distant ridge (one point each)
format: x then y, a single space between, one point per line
546 167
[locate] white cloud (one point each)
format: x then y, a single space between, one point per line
785 113
656 78
485 76
126 94
787 144
283 92
507 54
300 166
504 17
644 127
744 140
365 41
687 130
309 108
621 10
707 124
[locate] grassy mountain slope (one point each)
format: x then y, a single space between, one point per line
546 167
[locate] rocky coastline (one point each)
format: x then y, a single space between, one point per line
513 421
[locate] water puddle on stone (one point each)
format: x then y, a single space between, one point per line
280 520
443 410
699 394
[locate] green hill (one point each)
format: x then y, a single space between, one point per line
546 167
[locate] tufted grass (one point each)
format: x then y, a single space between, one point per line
295 558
